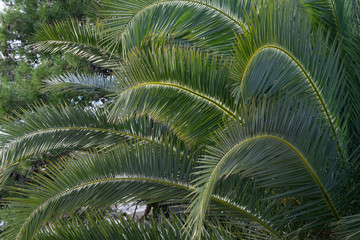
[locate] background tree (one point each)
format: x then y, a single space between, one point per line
23 69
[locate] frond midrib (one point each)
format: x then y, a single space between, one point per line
306 75
186 89
144 179
305 162
335 15
49 130
102 50
141 10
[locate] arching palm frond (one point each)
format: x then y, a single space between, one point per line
335 14
340 18
191 128
281 147
81 39
207 24
90 84
130 24
352 49
146 172
143 172
280 52
105 226
44 128
187 90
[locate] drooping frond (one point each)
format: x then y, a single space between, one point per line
91 84
340 18
281 147
143 172
269 167
281 52
81 39
187 90
335 14
137 172
46 128
352 49
208 24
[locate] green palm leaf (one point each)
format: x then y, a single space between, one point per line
91 84
208 24
340 17
147 172
289 162
190 128
349 227
187 90
44 128
280 52
335 14
352 49
81 39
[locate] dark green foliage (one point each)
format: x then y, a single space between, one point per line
238 119
22 70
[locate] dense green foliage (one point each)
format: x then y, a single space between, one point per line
21 68
240 117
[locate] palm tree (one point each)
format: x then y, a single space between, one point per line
239 116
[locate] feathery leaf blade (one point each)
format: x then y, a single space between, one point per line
183 88
81 39
82 83
46 128
280 147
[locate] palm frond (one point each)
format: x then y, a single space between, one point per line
207 24
105 226
335 14
187 90
143 172
352 50
132 172
340 17
83 83
190 128
305 63
282 148
46 128
81 39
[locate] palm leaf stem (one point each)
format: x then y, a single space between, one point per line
307 165
69 129
208 99
241 25
76 128
335 15
158 181
306 75
85 45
